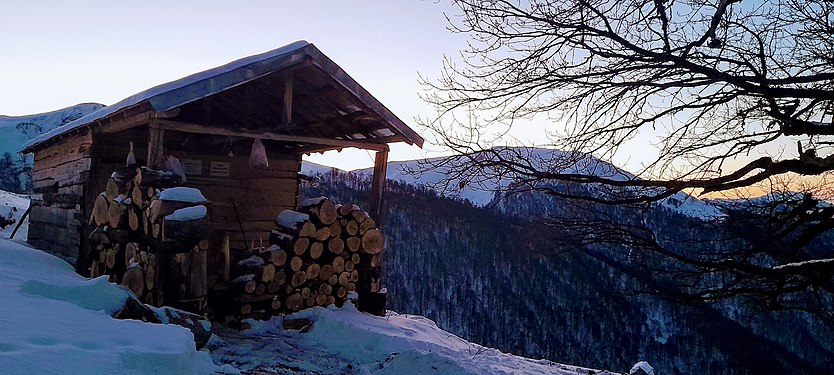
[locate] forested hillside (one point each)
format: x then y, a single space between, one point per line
492 276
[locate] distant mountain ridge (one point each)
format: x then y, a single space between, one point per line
31 126
481 190
17 130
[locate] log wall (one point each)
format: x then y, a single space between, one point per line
60 177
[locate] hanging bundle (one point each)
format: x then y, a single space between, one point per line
131 158
258 158
172 164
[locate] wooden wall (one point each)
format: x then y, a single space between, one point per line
258 194
58 216
245 202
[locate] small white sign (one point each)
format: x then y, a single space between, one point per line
192 167
220 169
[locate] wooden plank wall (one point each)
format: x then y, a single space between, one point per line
245 203
259 195
58 216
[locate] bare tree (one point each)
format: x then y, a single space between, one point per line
736 93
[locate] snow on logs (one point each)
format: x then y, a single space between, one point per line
138 214
315 258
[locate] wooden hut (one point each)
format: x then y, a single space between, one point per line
294 99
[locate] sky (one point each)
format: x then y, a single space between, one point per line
54 54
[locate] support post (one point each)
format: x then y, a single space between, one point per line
378 185
156 142
286 114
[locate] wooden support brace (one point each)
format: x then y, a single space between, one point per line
378 185
156 148
286 115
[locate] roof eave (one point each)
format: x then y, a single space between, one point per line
328 66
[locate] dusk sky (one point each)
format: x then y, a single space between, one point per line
56 54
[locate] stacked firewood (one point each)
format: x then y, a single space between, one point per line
133 219
315 258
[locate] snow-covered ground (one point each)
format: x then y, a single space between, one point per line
345 341
12 207
53 321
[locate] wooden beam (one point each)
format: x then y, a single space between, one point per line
156 142
118 125
286 115
171 113
323 148
378 185
250 133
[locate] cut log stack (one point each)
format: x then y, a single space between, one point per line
316 256
137 235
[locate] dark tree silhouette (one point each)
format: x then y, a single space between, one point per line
10 173
737 93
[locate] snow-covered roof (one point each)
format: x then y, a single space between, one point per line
203 84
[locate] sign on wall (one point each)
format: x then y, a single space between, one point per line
219 169
192 167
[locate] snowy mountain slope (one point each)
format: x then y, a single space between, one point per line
503 283
693 207
480 187
17 130
310 169
54 321
345 341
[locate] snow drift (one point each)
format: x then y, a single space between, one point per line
344 340
54 321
